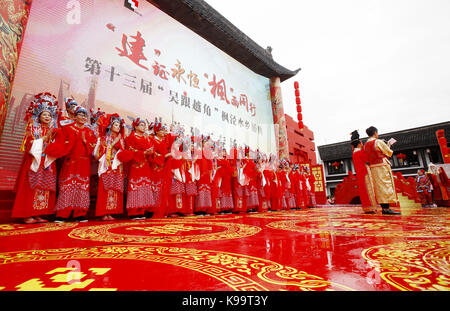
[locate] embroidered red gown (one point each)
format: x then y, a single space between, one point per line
36 187
204 201
111 180
263 205
275 191
304 190
250 171
140 196
239 190
226 173
311 194
192 172
282 186
298 190
74 177
266 187
161 167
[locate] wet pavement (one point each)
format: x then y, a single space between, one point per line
326 248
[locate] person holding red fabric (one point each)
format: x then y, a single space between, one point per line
192 171
275 184
110 169
266 174
290 190
161 166
203 202
239 182
297 187
310 186
36 182
177 202
226 173
216 194
250 182
76 143
363 175
140 195
303 182
282 185
261 182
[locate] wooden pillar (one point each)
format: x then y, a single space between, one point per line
14 16
278 118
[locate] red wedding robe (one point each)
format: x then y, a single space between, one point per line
365 186
140 196
111 182
36 191
161 174
226 174
74 177
250 171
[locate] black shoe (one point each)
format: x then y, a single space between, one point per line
60 220
81 219
388 211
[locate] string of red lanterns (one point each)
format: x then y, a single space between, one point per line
299 107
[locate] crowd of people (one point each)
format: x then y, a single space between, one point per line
154 171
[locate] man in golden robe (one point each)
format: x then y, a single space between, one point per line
378 153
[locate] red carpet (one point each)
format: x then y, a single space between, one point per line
328 248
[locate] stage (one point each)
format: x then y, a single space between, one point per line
326 248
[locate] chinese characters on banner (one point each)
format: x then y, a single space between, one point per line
156 73
218 88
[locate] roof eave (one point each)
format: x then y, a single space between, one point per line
204 20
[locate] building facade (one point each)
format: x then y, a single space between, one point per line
302 148
415 149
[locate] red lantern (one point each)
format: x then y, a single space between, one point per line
299 117
296 84
300 124
299 109
401 156
297 93
298 101
336 164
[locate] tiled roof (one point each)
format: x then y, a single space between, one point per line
204 20
420 137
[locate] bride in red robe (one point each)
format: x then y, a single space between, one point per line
110 168
36 183
161 166
140 196
250 173
363 176
267 174
298 187
261 183
178 200
238 183
272 178
76 143
226 174
204 200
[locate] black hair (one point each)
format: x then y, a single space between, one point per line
355 139
355 143
371 131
